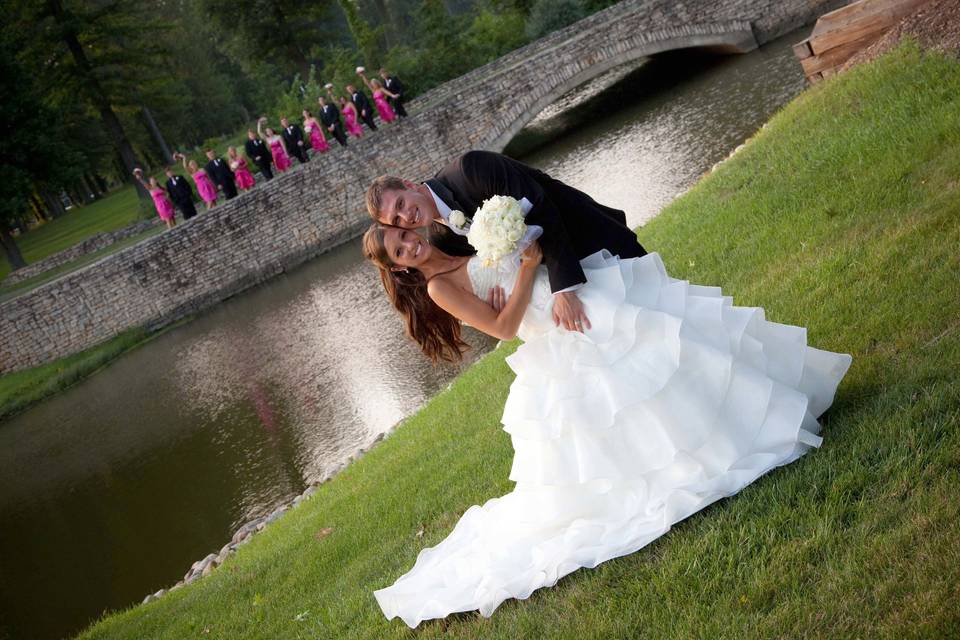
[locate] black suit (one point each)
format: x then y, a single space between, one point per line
221 173
258 151
293 140
394 85
364 111
574 224
182 195
330 117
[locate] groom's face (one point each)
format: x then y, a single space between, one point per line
411 208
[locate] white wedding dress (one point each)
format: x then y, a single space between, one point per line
674 399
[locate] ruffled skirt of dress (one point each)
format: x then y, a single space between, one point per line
675 399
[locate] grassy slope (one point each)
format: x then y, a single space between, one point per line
842 216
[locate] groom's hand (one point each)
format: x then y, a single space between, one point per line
568 312
497 299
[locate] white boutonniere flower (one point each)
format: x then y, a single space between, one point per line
458 219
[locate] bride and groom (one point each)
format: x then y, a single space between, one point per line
639 398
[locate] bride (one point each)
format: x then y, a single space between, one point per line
672 399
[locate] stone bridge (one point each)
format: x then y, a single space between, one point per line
319 205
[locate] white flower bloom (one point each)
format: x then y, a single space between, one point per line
457 219
496 229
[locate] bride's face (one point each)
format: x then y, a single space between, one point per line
406 248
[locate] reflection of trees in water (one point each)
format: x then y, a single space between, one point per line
322 372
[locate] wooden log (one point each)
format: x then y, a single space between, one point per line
802 50
875 24
844 16
836 56
815 78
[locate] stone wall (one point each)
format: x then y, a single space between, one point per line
90 245
319 205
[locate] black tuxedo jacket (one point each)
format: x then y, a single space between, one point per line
179 189
394 85
219 171
574 224
255 148
359 100
291 136
330 115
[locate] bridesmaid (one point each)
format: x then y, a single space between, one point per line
205 186
380 95
160 199
241 173
275 142
350 118
315 130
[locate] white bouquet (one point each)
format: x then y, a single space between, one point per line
498 230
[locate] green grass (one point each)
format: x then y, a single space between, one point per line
113 212
22 389
843 216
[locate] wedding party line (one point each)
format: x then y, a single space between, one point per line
271 151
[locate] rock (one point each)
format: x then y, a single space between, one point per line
226 549
379 437
276 514
149 598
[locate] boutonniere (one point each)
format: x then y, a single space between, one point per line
458 220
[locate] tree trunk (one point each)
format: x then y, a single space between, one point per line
100 101
10 248
157 136
53 203
38 208
91 187
101 183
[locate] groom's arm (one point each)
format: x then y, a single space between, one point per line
488 174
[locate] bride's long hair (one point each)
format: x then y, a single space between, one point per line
436 331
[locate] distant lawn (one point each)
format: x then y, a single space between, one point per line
115 211
843 216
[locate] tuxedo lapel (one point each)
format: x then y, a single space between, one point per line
445 194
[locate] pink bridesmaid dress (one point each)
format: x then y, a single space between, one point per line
383 107
317 140
350 119
241 174
205 186
163 204
280 157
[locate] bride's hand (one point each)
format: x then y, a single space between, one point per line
532 256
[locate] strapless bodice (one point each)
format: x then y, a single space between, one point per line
537 318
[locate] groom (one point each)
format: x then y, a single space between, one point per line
574 224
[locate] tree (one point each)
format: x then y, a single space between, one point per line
31 156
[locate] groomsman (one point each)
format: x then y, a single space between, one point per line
293 140
330 117
360 101
393 85
221 173
181 193
259 153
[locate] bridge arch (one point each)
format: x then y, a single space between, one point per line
724 38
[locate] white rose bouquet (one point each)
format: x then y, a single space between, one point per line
498 229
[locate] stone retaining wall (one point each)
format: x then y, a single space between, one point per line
90 245
319 205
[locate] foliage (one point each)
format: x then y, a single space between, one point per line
856 539
550 15
493 34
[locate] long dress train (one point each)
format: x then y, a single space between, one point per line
674 399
